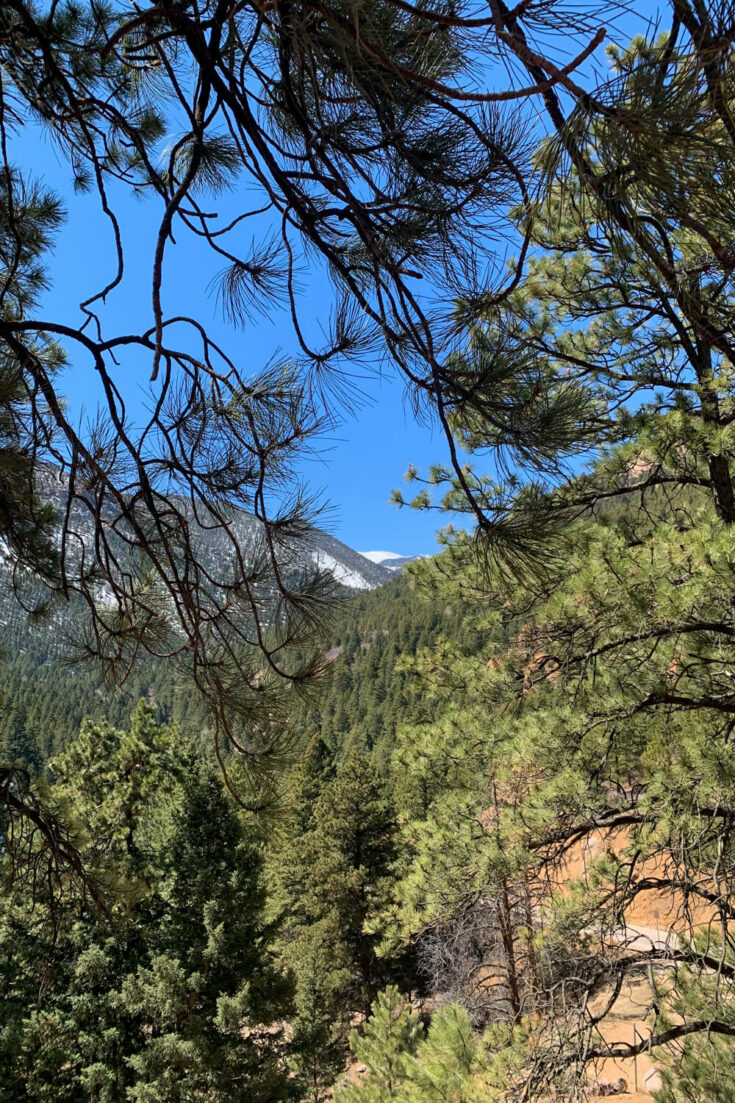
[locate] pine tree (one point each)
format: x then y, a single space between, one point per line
209 992
170 994
333 875
377 92
601 704
386 1046
403 1062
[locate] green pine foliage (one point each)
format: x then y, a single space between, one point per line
516 744
385 1047
169 994
398 1059
45 698
332 874
599 709
368 692
365 695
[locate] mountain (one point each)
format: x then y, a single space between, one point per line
44 696
350 568
390 561
318 550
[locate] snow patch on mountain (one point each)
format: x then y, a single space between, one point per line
390 561
381 556
341 572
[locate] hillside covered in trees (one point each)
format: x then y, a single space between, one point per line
464 838
429 770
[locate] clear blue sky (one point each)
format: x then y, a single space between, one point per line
357 465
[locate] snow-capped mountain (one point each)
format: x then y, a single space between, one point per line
319 550
348 567
390 561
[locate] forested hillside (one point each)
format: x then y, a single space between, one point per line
369 690
468 837
328 858
364 694
46 697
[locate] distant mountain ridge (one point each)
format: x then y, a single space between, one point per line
391 561
349 567
319 550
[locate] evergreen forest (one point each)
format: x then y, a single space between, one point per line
467 836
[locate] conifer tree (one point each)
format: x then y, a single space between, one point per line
333 875
316 1050
299 103
600 710
385 1047
404 1062
170 993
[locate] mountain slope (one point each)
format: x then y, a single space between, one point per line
391 561
214 547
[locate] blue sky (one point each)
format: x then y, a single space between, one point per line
356 465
